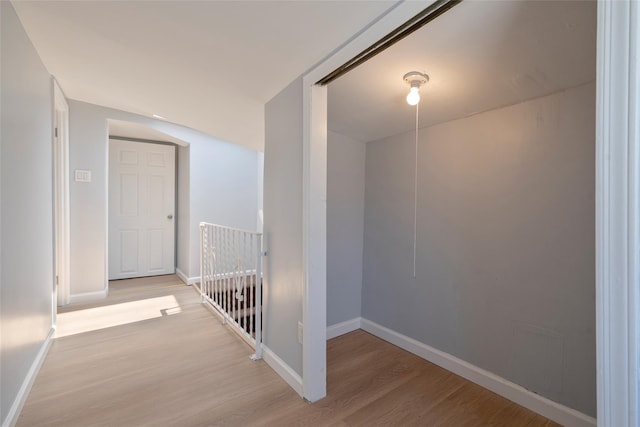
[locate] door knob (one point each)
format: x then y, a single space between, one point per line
169 216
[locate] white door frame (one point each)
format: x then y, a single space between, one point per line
617 207
618 212
174 213
314 197
60 153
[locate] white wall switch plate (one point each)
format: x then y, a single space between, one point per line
82 175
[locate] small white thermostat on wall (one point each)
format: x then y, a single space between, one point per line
82 175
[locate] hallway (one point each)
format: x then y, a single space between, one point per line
151 355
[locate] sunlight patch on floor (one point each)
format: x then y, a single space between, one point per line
93 319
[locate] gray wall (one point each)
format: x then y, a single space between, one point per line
345 226
222 185
88 149
184 222
26 272
506 247
223 189
283 224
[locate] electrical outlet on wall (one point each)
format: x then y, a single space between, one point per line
300 332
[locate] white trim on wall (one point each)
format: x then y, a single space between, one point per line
88 296
182 276
314 243
541 405
186 279
30 378
618 212
342 328
285 371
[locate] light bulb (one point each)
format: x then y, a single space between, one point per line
414 96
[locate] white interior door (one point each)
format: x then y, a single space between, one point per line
61 195
141 209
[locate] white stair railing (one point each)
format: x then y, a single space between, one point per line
231 279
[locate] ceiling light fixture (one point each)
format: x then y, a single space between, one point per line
415 79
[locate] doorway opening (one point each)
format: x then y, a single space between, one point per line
506 151
142 208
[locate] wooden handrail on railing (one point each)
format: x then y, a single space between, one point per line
231 279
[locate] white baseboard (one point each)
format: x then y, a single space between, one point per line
554 411
186 279
87 296
25 388
285 371
343 327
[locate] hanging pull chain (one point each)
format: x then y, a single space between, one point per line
415 200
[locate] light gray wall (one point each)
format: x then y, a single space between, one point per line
345 226
88 150
283 224
222 188
26 272
506 247
184 228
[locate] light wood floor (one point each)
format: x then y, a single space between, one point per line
152 355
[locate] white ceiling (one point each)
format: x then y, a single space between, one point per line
212 65
479 55
209 65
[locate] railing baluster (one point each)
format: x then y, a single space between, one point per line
252 289
223 252
234 276
215 272
226 271
210 267
219 269
229 270
258 354
203 251
244 282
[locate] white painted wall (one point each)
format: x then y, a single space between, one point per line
283 225
26 280
345 226
88 150
223 189
506 245
222 181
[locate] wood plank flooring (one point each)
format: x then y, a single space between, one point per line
167 361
